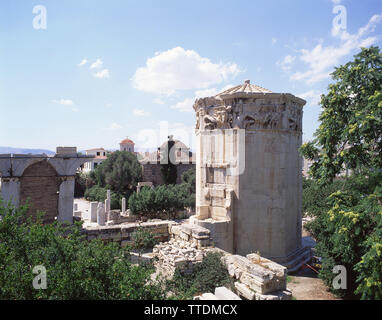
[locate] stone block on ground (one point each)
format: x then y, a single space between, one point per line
222 293
244 291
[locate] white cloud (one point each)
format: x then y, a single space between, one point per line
96 64
158 101
206 93
83 62
274 40
180 69
141 113
114 126
286 63
102 74
67 103
321 59
108 105
185 105
336 1
312 97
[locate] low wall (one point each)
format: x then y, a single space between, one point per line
123 233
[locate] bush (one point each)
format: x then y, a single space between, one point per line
143 239
162 202
348 232
76 268
206 276
99 194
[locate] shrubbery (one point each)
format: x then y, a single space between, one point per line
167 200
143 239
348 211
162 202
99 194
207 275
76 268
348 229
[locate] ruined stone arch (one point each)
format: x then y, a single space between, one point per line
39 186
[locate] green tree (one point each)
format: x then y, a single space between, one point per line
168 167
347 210
76 268
120 172
350 133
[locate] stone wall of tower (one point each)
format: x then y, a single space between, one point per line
259 208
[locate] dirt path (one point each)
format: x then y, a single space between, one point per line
306 286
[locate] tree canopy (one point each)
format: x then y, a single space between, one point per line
120 172
350 133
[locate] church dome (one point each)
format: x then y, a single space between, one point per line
127 141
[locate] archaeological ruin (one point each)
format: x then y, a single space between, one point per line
248 172
46 183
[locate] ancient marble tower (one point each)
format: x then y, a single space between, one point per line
248 172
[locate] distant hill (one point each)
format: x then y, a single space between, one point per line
25 151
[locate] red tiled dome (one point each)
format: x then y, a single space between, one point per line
127 141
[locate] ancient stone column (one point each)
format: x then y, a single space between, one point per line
107 209
101 214
93 211
123 205
248 172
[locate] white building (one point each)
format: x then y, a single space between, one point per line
100 155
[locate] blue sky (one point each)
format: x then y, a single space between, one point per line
104 70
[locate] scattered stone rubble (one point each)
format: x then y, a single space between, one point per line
257 278
185 245
184 250
177 253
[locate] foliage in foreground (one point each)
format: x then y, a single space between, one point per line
348 229
76 269
348 211
207 275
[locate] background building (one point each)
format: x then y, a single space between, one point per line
99 154
151 166
126 145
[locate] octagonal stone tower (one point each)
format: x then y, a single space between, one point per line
248 172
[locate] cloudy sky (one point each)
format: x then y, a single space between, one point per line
94 72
